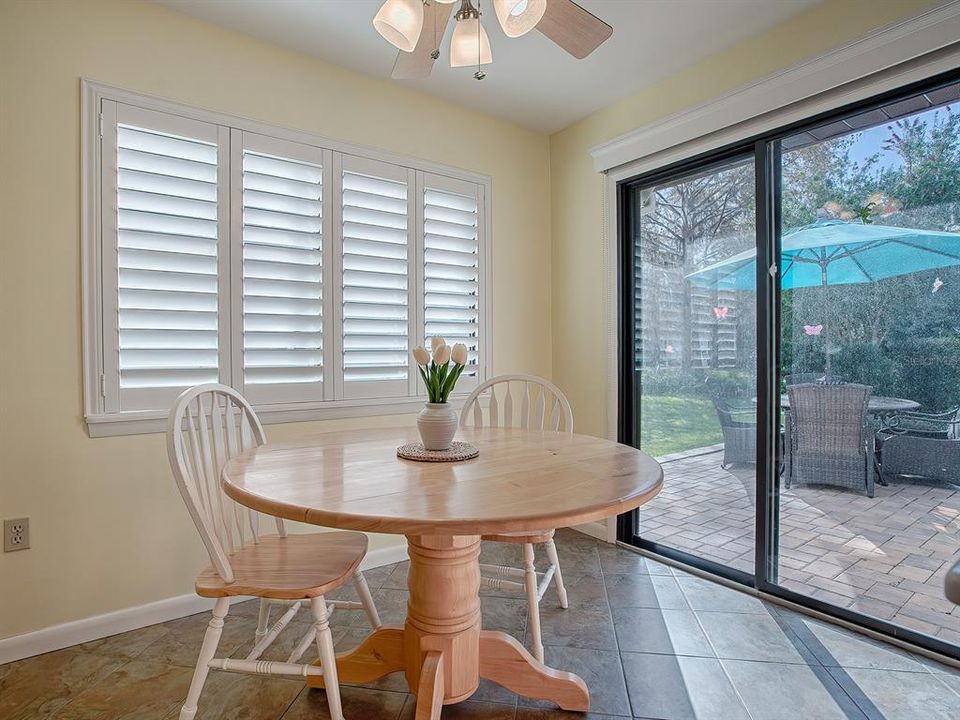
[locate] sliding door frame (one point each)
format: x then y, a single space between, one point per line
765 149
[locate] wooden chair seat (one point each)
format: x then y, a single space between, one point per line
520 537
295 567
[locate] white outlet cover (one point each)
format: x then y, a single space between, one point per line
16 534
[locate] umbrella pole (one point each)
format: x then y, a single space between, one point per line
826 315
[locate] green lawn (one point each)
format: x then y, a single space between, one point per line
673 424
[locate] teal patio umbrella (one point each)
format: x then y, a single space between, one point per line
832 252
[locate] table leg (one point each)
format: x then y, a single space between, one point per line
381 653
506 662
430 692
441 648
443 613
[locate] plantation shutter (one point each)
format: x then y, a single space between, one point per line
376 225
280 221
163 228
452 219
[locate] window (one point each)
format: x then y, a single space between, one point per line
297 270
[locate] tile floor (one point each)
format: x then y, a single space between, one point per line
650 641
885 556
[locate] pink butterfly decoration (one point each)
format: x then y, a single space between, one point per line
937 284
720 313
669 349
813 329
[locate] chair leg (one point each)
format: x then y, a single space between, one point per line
209 648
363 590
328 659
533 600
557 575
263 619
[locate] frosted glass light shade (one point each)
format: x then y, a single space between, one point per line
518 17
400 23
463 45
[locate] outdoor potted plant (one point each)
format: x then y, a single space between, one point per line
437 422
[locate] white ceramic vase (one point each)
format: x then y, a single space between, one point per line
437 423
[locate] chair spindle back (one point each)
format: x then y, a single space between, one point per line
207 426
523 401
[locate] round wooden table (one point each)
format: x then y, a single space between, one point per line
522 481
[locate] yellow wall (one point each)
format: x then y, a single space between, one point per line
109 530
577 207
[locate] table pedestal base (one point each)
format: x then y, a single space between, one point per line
441 648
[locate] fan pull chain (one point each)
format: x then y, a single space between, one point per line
436 44
479 74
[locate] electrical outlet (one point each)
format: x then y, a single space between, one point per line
16 534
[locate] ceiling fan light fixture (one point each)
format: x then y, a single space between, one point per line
470 44
518 17
400 23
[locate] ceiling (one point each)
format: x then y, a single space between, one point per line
531 81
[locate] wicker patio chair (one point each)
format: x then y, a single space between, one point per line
738 421
828 439
924 445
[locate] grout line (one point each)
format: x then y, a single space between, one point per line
616 637
950 687
290 705
723 668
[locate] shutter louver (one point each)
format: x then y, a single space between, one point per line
282 271
167 238
375 283
451 251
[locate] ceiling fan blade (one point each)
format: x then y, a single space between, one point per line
576 30
418 63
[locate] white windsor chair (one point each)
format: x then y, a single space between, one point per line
207 426
537 405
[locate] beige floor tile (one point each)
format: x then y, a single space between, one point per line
39 687
138 690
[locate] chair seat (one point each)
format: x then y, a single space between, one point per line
521 537
294 567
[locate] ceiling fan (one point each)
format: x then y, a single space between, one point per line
416 28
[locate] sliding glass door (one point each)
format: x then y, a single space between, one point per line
869 511
694 360
793 360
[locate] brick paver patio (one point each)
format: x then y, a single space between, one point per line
884 556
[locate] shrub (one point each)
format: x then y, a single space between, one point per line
867 364
929 372
679 382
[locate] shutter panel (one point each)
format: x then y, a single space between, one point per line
167 230
376 301
281 269
451 267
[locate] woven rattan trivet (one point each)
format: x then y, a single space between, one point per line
457 452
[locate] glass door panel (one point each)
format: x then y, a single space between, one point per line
869 512
694 360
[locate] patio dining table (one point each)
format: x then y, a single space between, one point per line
877 405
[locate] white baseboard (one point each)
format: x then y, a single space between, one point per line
600 529
58 637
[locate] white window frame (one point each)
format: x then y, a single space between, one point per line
98 256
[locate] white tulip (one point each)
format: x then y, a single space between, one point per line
437 341
441 356
421 356
459 354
